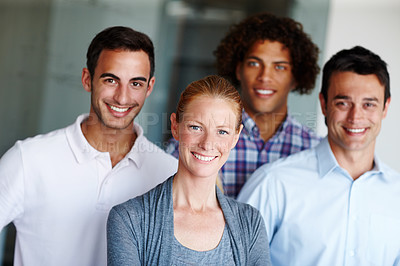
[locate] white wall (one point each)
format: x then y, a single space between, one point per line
375 25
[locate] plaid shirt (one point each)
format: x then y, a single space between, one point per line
251 151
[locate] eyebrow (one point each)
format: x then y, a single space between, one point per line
344 97
274 62
105 75
221 126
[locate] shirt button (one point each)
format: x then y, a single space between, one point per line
352 253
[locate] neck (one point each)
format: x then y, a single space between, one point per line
196 193
268 123
117 142
357 162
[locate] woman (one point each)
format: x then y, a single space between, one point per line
186 220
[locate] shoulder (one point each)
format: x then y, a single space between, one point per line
296 128
389 172
238 211
242 210
287 164
284 170
147 147
40 142
244 219
155 161
143 205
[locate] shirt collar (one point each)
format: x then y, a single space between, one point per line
140 145
281 133
84 152
80 147
251 128
327 161
248 123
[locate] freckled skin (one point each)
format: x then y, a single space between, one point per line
208 129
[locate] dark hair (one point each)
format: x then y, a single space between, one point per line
242 36
119 38
213 86
358 60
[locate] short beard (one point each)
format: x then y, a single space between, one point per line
97 111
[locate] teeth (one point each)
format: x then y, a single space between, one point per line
120 110
203 158
356 130
264 92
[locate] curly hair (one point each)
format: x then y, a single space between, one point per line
240 38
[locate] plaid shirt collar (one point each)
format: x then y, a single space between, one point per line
250 128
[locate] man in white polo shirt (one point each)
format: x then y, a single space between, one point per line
58 188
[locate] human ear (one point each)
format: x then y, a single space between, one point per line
237 134
322 103
174 126
385 110
86 80
150 86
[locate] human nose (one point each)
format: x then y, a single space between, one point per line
266 73
206 142
121 94
356 113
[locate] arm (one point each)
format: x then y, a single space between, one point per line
122 248
11 186
259 193
259 248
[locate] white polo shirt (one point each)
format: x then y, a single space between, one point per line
58 190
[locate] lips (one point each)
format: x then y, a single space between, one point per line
356 130
204 158
118 111
264 92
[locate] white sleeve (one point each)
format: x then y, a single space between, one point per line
11 185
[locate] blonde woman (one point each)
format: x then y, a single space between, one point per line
187 220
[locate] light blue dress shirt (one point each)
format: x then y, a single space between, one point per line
316 214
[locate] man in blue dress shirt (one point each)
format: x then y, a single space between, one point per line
336 204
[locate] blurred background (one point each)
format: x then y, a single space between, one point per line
43 47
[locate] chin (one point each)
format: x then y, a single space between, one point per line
204 174
118 125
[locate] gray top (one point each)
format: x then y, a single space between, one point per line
141 230
221 255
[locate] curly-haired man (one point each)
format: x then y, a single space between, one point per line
265 57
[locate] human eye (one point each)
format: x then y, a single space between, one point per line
369 105
280 67
223 132
136 84
110 81
194 127
342 104
253 63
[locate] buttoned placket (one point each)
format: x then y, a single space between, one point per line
355 236
105 173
